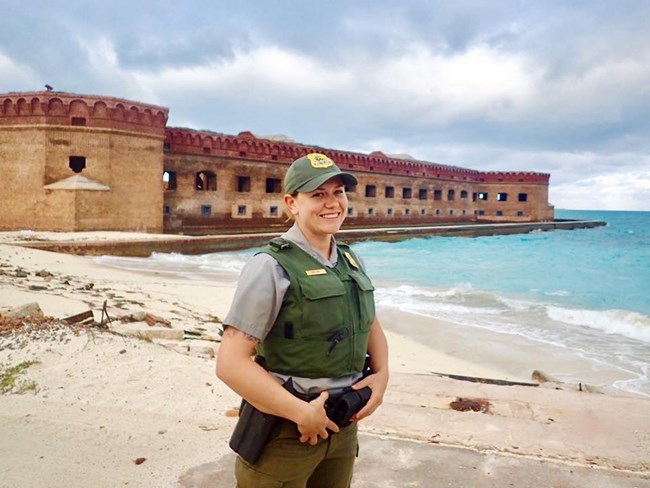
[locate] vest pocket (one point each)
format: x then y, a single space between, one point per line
322 306
366 300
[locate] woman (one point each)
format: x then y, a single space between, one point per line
305 305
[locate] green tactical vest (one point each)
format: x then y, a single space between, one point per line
323 326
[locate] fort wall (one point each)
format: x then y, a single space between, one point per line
243 178
82 162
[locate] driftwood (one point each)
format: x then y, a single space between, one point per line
488 381
105 314
80 317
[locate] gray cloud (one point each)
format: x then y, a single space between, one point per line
561 87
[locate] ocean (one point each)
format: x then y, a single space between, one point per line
574 304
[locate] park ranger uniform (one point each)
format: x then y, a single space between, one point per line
313 318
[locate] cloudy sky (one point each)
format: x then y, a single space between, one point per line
549 85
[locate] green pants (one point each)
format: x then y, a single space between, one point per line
288 463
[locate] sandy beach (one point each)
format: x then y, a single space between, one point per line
131 397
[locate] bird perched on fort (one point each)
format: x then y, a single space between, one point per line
48 88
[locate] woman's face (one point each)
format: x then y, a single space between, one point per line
320 213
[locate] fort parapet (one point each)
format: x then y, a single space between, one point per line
83 162
80 162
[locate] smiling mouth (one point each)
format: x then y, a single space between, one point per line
330 216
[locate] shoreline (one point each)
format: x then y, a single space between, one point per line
106 399
142 244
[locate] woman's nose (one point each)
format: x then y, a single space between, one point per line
330 200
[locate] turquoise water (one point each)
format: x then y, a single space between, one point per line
573 303
599 269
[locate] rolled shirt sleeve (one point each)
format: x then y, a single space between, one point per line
258 298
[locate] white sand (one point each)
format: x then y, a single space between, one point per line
104 400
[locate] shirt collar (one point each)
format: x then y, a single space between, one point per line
294 234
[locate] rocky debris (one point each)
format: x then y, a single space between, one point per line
151 333
43 274
26 323
29 310
548 381
203 334
132 317
473 404
152 320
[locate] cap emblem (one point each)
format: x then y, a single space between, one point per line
319 161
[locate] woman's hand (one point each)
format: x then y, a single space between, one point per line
315 422
377 382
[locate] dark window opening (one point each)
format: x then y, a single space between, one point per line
523 197
243 184
77 163
437 194
169 179
273 185
502 197
422 194
474 196
207 150
520 213
167 210
79 121
437 211
274 157
389 211
273 211
482 196
451 211
499 213
371 211
481 212
242 154
463 194
205 181
423 211
390 192
241 209
451 195
206 210
350 211
167 146
406 192
371 191
407 211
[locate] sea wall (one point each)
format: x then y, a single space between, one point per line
231 242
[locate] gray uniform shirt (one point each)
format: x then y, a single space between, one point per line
260 292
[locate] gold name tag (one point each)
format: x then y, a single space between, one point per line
351 260
314 272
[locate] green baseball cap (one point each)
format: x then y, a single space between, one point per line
311 171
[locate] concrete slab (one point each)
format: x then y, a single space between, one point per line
396 463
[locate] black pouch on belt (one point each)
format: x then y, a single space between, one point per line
254 430
341 409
